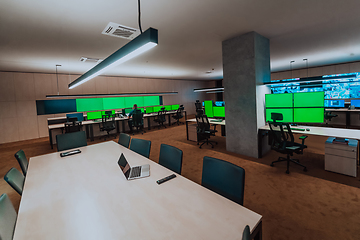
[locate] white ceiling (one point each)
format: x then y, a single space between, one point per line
35 35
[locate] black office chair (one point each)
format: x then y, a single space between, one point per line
204 131
224 178
72 125
161 118
282 141
108 124
198 108
138 121
171 158
22 160
179 115
70 140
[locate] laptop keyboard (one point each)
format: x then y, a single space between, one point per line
135 172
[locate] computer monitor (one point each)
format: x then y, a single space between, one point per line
309 99
355 103
175 107
93 115
335 103
288 114
282 100
168 107
149 109
308 115
219 112
157 108
220 103
79 116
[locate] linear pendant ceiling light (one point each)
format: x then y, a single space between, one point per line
140 44
145 41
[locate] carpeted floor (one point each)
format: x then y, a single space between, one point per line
302 205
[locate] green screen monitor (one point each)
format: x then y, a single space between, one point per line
103 112
149 109
281 100
89 104
168 107
127 110
93 115
157 108
208 108
286 112
114 102
309 115
142 109
309 99
175 107
219 111
151 100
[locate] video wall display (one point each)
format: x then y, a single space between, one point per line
305 107
337 86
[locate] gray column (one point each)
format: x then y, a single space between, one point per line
246 66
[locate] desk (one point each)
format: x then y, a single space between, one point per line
211 121
86 196
320 131
347 112
90 129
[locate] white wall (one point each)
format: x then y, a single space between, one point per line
19 92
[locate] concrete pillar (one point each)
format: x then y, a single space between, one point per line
246 66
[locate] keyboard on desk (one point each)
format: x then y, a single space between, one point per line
135 172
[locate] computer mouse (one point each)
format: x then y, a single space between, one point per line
308 129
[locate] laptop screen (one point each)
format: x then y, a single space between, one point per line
124 165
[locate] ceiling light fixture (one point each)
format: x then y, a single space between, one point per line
111 95
209 89
142 43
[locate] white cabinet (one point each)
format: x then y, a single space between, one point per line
340 157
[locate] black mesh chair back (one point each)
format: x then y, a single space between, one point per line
70 140
224 178
161 118
179 115
138 121
73 127
108 123
22 160
171 158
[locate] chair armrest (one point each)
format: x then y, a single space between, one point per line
303 137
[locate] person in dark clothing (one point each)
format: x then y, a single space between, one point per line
130 121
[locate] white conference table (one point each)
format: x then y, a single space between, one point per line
86 196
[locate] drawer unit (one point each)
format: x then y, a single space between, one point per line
341 158
192 132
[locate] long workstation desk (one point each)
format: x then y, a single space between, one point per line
319 131
86 196
348 115
59 123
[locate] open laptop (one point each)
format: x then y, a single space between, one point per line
133 172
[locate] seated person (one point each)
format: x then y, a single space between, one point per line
130 121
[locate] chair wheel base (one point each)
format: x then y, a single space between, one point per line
271 164
305 169
287 171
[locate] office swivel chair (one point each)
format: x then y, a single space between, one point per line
15 179
73 125
204 131
199 109
282 141
22 160
108 124
141 146
7 218
161 118
124 140
179 115
246 233
138 121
